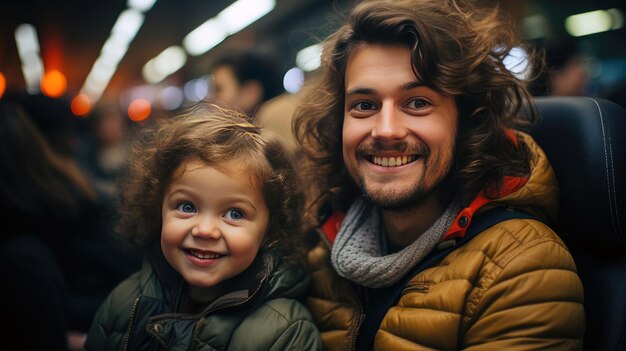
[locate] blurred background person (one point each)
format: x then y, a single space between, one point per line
41 197
54 121
103 153
77 229
244 79
251 81
276 116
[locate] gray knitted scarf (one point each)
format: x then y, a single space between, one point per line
357 253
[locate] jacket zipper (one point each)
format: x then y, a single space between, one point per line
419 287
206 313
356 327
131 322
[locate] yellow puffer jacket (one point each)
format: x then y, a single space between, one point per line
512 287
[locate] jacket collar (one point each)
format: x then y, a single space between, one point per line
464 218
461 222
283 280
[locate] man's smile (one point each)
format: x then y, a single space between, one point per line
392 161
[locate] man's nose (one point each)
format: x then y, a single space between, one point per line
389 123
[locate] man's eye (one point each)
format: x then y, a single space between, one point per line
186 207
234 214
418 103
364 106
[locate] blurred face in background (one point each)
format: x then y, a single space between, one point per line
571 80
111 128
229 93
226 85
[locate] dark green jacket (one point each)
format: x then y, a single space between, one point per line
260 311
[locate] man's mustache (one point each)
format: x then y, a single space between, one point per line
401 147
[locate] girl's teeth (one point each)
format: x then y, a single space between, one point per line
204 256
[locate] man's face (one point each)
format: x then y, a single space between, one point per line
398 134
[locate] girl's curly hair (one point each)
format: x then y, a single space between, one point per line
212 135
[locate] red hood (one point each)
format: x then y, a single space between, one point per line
463 220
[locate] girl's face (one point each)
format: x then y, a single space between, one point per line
213 222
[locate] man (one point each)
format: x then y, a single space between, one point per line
244 79
409 139
249 81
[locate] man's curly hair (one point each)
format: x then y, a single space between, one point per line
456 49
213 136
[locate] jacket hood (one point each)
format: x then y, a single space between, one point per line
540 195
284 279
536 194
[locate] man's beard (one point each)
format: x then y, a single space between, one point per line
408 199
399 202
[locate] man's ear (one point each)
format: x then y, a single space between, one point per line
251 95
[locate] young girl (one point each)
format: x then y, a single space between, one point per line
217 206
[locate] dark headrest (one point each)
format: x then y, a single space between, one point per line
585 141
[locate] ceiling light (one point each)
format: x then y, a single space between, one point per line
232 19
3 84
54 84
115 47
81 105
141 5
309 58
196 89
28 50
204 38
593 22
171 98
127 25
167 62
139 110
293 80
242 13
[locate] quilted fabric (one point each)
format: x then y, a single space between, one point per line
513 287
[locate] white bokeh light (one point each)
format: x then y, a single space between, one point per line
293 80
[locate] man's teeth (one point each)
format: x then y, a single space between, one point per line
392 161
204 256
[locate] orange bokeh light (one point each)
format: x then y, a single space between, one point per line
139 110
3 84
81 105
54 84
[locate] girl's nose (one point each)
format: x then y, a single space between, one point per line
206 227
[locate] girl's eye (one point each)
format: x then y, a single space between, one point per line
418 103
364 106
186 207
234 214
